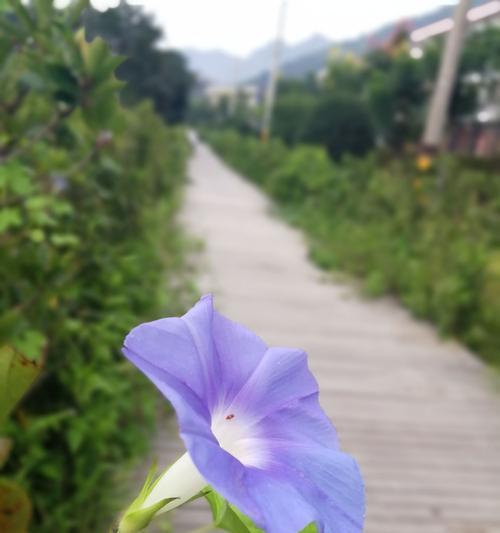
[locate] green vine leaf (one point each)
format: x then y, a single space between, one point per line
17 373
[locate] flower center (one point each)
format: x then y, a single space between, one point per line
239 438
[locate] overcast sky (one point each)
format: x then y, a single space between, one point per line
239 26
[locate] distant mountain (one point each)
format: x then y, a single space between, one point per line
216 66
301 59
213 66
302 66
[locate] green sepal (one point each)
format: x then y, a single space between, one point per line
311 528
137 520
147 487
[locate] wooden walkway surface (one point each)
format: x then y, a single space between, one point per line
421 415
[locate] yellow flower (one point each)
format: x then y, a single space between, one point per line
424 162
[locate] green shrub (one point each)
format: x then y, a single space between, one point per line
304 174
342 124
254 159
87 197
292 114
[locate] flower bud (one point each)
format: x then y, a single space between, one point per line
137 516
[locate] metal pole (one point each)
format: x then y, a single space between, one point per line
438 111
273 75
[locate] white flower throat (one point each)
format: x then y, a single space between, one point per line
239 437
183 481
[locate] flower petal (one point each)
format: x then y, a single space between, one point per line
199 322
304 422
182 347
192 414
327 479
221 470
283 507
282 378
239 351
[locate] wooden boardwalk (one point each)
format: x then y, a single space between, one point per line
420 415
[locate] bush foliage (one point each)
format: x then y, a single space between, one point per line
429 237
342 124
87 196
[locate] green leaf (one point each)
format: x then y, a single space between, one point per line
75 10
62 77
15 507
37 235
17 373
60 207
51 422
9 324
10 217
99 60
74 436
37 203
64 239
15 178
23 14
33 81
31 344
44 11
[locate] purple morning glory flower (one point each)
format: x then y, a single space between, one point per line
250 418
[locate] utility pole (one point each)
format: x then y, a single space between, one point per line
438 111
273 75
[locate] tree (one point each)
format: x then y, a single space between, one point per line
292 113
396 96
292 110
346 74
160 75
342 124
